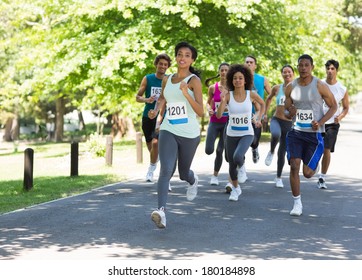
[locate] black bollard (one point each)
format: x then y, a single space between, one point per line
74 150
28 168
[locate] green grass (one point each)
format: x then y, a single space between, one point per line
13 196
51 172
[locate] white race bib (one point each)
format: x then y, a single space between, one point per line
239 122
176 113
156 92
281 101
304 118
225 113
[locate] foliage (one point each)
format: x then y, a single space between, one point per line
96 145
95 53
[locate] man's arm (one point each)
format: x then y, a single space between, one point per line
329 99
345 105
142 89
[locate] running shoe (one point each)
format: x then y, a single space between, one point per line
191 192
149 176
159 218
255 155
269 159
228 187
279 182
322 183
235 193
214 181
297 209
242 177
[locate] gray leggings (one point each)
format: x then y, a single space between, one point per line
279 129
236 148
173 148
215 130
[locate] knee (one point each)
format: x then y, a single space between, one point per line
209 150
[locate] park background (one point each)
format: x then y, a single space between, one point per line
75 67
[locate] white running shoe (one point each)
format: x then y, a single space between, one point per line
255 155
228 187
297 209
214 181
322 183
279 182
149 176
269 159
235 193
191 192
159 218
242 177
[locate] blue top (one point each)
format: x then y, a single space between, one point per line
258 86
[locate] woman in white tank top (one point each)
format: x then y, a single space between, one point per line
240 133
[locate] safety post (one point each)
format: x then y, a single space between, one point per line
28 168
139 147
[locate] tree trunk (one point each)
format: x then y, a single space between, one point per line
12 129
122 127
81 120
59 119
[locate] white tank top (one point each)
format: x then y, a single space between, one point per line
240 114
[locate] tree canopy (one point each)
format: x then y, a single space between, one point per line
94 53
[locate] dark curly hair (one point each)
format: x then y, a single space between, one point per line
245 70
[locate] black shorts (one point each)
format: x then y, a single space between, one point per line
148 128
330 136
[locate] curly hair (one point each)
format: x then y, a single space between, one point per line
243 69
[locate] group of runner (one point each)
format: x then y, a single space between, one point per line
305 122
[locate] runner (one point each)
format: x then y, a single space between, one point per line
148 93
332 125
279 124
179 137
304 101
216 128
239 132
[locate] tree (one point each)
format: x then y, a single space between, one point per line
93 54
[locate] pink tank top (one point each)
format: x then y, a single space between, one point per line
216 100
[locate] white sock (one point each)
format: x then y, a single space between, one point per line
297 199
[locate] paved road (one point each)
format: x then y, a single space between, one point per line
114 221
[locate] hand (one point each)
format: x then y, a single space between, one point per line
315 125
184 87
211 112
152 114
258 123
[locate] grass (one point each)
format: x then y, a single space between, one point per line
51 172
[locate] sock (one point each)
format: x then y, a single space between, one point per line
297 199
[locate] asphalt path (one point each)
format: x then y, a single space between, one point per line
113 222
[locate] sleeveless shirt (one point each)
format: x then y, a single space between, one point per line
153 88
309 105
240 116
216 103
180 119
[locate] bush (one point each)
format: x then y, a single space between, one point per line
96 145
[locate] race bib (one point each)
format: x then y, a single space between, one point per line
225 113
304 118
156 92
239 122
176 113
281 101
